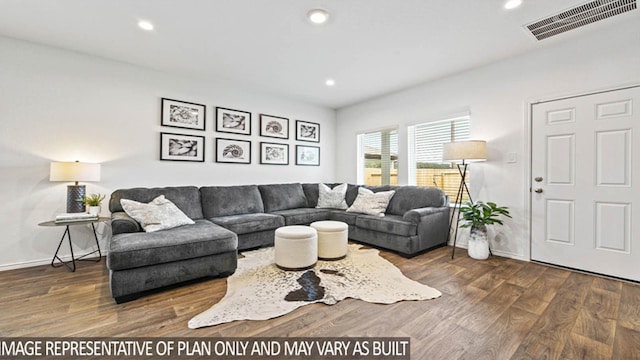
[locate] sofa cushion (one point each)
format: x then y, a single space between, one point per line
371 203
230 200
278 197
329 198
413 197
352 193
186 198
346 217
159 214
303 216
138 249
390 224
248 223
311 193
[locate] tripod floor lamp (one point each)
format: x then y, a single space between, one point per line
462 153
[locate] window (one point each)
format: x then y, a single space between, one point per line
426 141
379 157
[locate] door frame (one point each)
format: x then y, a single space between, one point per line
528 184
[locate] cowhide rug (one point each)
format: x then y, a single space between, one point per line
259 290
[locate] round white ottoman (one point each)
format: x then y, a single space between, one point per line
296 247
332 239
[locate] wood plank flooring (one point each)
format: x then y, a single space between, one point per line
494 309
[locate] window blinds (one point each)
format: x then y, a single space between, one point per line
430 137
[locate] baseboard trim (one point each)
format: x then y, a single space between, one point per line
40 262
494 252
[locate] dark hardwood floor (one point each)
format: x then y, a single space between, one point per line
494 309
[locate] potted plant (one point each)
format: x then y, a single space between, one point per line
477 216
92 203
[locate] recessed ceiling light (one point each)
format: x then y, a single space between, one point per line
512 4
318 16
330 82
145 25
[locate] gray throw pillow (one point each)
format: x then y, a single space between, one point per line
159 214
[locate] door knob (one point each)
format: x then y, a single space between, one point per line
538 190
538 179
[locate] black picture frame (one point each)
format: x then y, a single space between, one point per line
274 154
307 131
183 114
233 121
181 147
233 151
274 126
307 155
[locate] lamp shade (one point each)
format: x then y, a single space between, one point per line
74 171
465 151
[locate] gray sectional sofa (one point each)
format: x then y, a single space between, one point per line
232 218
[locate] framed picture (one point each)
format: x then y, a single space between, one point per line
307 131
274 126
307 155
274 154
233 151
233 121
177 147
183 114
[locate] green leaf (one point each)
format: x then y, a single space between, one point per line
480 213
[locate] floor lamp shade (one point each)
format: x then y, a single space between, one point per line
465 151
74 171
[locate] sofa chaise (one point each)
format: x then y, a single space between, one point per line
231 218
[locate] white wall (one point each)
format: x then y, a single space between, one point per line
64 106
498 96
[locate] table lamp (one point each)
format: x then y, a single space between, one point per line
463 152
74 171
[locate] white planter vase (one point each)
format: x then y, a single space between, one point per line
93 210
478 243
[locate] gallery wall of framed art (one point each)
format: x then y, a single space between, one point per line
232 136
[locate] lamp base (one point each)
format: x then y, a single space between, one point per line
75 195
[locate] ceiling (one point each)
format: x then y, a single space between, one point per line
370 47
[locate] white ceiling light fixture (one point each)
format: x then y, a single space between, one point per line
145 25
512 4
318 16
330 82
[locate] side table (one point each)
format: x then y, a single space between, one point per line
67 233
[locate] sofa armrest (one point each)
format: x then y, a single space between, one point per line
415 215
123 223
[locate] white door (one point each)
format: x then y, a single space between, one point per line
585 199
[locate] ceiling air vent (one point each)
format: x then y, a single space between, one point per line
579 16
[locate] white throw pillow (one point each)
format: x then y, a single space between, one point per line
159 214
332 198
371 203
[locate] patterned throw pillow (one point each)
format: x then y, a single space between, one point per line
371 203
332 198
159 214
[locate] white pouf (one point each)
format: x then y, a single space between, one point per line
296 247
332 239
